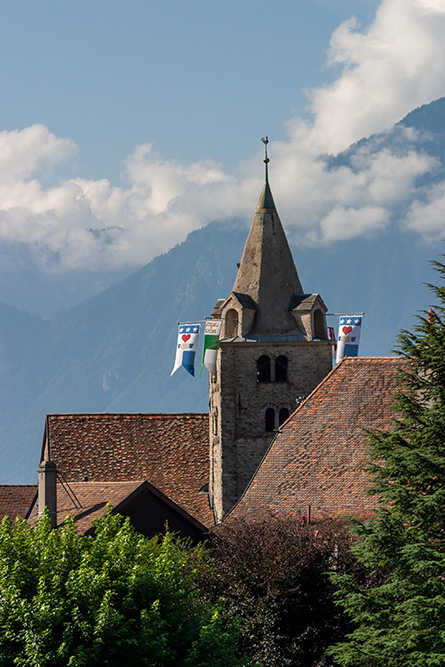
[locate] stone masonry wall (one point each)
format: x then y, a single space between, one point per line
238 439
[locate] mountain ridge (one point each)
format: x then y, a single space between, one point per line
114 351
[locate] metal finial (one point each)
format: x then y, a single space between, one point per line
265 142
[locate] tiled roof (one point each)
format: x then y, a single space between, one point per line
245 300
303 300
16 500
86 501
171 451
317 459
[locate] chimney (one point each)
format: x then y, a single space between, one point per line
48 490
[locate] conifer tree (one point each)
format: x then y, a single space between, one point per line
400 614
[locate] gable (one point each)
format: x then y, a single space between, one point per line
147 508
171 451
150 513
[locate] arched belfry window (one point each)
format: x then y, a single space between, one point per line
319 325
281 369
269 419
284 414
231 328
263 369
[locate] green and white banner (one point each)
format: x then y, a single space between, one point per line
210 346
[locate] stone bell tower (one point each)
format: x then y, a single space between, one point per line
273 350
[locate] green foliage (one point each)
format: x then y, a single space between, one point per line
400 619
112 599
272 575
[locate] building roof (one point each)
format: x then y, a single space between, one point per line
245 300
16 500
86 501
266 201
317 459
304 301
171 451
267 272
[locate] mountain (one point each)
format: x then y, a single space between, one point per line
114 352
429 123
26 286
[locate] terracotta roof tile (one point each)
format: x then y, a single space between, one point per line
317 459
171 451
16 500
86 501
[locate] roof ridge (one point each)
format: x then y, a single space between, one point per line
317 460
320 384
345 361
341 363
276 438
128 414
102 482
396 357
7 486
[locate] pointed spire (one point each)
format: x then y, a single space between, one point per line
267 271
266 200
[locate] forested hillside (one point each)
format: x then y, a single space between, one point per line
114 352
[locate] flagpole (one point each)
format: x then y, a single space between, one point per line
345 314
206 319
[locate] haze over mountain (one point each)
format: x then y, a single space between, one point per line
114 351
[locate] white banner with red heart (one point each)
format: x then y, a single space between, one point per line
187 343
349 330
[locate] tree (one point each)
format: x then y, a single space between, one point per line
273 576
113 599
400 618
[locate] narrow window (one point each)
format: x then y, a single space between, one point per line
270 419
231 328
284 414
319 325
263 369
281 369
215 420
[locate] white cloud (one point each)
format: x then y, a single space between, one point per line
163 202
427 216
23 152
384 70
387 69
348 223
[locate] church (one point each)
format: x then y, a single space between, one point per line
273 351
284 436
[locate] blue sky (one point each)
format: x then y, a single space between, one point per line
198 78
126 125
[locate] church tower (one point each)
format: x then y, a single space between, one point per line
273 351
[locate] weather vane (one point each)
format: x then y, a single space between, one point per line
265 142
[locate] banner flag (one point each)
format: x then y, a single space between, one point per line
210 346
348 336
188 335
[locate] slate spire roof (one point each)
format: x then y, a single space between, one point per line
267 271
266 200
